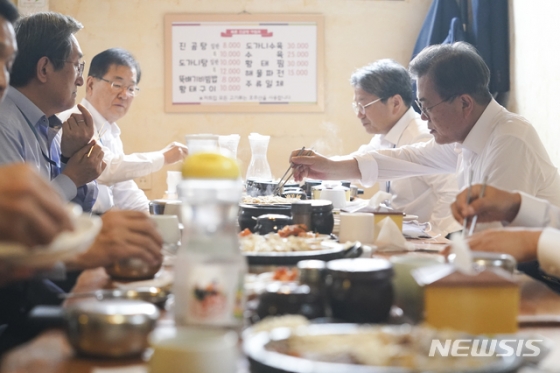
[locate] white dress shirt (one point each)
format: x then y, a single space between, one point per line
428 196
536 212
116 187
502 146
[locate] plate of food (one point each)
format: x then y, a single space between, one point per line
276 249
339 348
64 246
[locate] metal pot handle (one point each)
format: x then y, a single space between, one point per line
48 316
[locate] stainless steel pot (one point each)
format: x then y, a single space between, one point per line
482 260
494 260
151 294
112 328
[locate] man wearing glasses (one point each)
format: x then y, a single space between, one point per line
473 134
382 102
111 86
45 77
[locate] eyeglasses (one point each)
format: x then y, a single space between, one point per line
79 67
131 90
425 110
361 109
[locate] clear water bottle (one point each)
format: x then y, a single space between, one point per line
210 268
259 169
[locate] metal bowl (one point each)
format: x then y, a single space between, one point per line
494 260
482 259
132 269
112 328
151 294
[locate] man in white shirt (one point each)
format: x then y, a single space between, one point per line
382 102
111 86
473 134
536 221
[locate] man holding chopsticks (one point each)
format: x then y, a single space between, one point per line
472 134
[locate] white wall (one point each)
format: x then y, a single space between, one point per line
535 68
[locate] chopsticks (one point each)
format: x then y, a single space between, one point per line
469 194
283 182
475 218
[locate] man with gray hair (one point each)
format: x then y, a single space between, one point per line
473 134
382 102
31 212
44 80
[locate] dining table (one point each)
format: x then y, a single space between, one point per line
50 352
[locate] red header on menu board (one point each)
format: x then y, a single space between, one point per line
262 32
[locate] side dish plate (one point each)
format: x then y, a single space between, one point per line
265 360
332 250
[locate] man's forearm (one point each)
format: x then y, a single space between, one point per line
344 168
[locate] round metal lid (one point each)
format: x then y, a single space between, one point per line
371 268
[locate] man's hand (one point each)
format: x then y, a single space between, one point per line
85 165
31 212
175 152
124 234
312 165
496 205
520 243
316 166
77 132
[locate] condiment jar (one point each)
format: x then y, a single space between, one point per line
301 213
313 274
209 268
360 290
309 184
322 219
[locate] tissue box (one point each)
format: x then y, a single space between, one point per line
485 303
397 217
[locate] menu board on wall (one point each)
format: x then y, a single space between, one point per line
243 63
